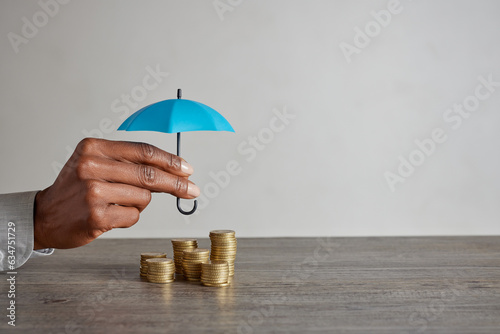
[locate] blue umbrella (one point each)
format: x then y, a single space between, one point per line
176 116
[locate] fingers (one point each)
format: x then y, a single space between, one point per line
138 153
125 195
114 205
142 176
119 217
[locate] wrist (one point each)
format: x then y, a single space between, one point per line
38 240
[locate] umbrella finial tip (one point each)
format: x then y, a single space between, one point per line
179 93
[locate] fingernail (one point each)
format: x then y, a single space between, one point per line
193 190
186 168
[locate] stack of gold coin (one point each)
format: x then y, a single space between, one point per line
224 247
191 263
144 264
179 245
215 273
160 270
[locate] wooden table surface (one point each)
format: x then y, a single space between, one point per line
296 285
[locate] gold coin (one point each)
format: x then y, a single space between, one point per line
215 284
222 232
222 277
182 240
191 279
192 263
156 274
215 263
179 251
215 270
196 264
161 265
213 280
161 281
223 247
153 255
197 250
195 260
222 242
160 278
195 257
211 275
161 270
159 261
160 274
205 274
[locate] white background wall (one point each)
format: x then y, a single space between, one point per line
324 173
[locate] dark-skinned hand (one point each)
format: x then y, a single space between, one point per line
105 185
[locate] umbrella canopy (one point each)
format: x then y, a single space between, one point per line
176 116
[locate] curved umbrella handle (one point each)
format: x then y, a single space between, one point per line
186 212
179 95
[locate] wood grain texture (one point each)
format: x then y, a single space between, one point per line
295 285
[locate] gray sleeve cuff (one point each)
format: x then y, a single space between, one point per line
41 252
16 229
